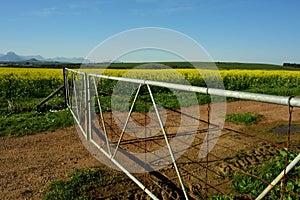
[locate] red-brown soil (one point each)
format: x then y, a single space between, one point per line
29 163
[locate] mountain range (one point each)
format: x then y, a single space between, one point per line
13 57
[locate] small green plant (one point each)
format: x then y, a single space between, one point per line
243 118
78 185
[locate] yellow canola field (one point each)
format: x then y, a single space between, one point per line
32 73
233 79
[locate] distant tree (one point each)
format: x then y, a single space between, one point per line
291 65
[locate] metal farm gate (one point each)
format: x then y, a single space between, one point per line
176 168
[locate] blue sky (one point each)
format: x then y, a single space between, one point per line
230 30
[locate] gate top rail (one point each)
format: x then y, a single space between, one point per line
281 100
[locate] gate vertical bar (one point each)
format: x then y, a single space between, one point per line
86 108
89 108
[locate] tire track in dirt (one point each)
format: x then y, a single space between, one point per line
248 159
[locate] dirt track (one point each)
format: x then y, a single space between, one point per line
29 163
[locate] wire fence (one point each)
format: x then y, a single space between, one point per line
187 152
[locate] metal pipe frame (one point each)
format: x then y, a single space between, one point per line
281 100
